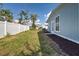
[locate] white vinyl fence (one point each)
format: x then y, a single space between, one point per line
11 28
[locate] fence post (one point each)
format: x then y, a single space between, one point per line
5 28
19 28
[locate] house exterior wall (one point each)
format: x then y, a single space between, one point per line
68 16
49 26
78 20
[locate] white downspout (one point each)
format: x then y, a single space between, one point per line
5 28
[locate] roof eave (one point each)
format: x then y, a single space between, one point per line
53 12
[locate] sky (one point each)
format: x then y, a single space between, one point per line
43 10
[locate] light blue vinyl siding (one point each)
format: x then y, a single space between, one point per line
69 21
49 26
78 20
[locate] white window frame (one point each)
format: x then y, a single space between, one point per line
55 24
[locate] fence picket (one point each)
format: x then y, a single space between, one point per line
11 28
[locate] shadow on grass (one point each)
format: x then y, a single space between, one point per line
46 47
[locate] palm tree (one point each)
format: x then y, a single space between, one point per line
7 14
23 16
1 5
33 18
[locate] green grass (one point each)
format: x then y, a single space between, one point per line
25 43
31 42
48 47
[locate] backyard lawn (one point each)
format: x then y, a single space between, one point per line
27 43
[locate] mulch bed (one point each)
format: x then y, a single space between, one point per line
67 46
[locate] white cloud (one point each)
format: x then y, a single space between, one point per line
37 21
47 15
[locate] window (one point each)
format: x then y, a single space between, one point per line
57 24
